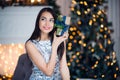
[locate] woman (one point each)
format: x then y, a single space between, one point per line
46 51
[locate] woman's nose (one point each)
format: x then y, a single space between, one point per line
47 23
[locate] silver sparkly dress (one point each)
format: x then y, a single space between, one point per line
45 49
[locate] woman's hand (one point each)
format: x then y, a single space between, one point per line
58 40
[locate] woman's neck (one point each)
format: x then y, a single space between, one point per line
44 37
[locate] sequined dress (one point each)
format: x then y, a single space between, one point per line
45 49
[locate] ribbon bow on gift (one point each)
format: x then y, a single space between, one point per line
62 23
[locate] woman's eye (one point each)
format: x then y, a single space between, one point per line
51 20
42 19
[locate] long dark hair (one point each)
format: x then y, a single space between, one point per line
37 32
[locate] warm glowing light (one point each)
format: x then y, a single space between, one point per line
69 48
88 9
32 1
96 1
107 57
94 5
72 9
74 56
74 2
105 28
69 44
83 37
75 41
73 33
39 0
90 22
85 3
117 68
92 50
101 25
75 28
78 12
109 42
111 64
71 37
79 22
101 19
78 53
93 15
71 29
108 64
9 54
95 65
94 19
68 63
109 31
77 61
95 76
103 76
85 12
115 75
84 44
80 42
105 36
101 30
99 12
81 2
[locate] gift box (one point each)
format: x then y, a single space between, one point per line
62 23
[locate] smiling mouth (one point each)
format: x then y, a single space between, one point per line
46 28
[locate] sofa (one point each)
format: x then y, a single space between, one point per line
23 69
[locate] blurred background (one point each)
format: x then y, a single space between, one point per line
93 46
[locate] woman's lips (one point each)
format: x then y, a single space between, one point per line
46 28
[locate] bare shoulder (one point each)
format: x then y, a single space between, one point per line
28 44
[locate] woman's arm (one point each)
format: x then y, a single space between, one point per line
37 58
63 66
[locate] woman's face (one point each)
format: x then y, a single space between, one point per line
46 22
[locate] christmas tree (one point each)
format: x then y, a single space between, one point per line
90 46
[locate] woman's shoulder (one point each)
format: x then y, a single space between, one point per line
28 43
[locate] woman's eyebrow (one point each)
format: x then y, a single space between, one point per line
43 17
46 18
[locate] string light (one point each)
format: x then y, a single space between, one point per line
71 37
39 1
73 33
102 19
105 28
94 5
105 36
81 2
101 25
69 47
94 19
78 12
68 63
9 54
99 12
32 1
74 2
71 29
74 28
109 42
85 12
103 76
72 9
115 75
85 3
75 41
90 22
79 22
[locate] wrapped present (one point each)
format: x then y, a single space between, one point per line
62 23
